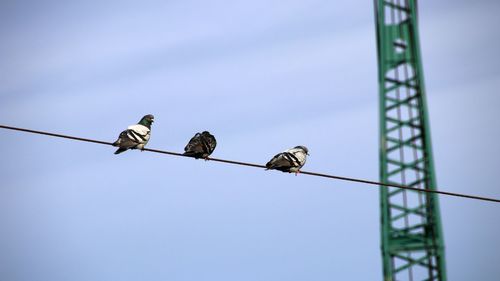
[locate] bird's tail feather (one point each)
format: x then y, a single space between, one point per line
120 150
269 165
192 154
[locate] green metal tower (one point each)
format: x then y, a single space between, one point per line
412 239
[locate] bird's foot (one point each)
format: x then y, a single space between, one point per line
298 172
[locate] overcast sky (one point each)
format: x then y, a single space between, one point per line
262 76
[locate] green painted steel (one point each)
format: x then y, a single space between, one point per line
412 238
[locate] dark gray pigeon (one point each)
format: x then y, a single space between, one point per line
135 136
201 145
290 160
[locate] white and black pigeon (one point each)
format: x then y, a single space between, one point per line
290 160
201 145
135 136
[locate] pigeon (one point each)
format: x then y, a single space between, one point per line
290 160
201 145
135 136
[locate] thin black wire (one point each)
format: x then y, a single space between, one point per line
262 166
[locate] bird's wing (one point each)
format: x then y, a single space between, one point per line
124 141
138 133
299 157
139 129
194 145
280 160
209 144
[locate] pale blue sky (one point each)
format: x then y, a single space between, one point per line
262 76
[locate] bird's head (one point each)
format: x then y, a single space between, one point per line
303 148
147 120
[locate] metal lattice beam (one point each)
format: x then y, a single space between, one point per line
412 239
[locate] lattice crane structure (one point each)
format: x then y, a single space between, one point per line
412 238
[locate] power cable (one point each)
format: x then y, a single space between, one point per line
369 182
